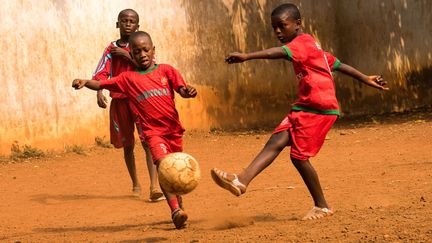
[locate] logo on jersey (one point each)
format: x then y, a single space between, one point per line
164 81
163 147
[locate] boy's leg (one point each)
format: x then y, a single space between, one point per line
175 202
178 215
308 135
129 157
310 178
122 135
237 184
155 193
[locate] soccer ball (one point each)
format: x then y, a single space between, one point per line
179 173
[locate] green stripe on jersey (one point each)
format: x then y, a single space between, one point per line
148 70
322 112
288 52
336 65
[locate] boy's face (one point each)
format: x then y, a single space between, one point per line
285 27
127 23
142 51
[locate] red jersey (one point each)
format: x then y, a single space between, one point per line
313 67
151 96
110 66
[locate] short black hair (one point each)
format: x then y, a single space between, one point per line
289 8
137 34
128 10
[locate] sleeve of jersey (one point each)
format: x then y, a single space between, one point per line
175 78
294 51
332 61
116 84
103 69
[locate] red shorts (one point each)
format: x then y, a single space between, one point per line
122 123
161 146
307 132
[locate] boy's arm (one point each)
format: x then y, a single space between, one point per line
91 84
177 82
187 92
272 53
120 52
103 72
115 84
375 81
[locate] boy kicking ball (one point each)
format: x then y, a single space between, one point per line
150 89
311 116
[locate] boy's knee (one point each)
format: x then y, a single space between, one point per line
299 162
128 149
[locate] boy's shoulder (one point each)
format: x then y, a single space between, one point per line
303 38
111 44
165 66
304 43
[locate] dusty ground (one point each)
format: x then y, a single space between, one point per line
377 175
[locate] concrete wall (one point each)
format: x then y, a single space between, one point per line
48 43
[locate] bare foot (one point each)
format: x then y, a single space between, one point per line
228 182
317 213
136 191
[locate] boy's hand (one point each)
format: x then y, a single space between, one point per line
188 92
101 99
78 83
235 57
120 52
377 81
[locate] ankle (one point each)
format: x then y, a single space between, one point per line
322 205
241 178
173 204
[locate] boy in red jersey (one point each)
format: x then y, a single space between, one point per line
150 90
115 60
311 116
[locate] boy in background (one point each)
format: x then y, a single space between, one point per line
115 60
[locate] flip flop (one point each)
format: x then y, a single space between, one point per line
234 186
156 196
317 213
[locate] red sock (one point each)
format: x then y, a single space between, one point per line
173 204
180 201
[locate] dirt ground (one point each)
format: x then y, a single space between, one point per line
376 173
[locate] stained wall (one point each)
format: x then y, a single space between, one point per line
49 43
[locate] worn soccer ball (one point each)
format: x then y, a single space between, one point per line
179 173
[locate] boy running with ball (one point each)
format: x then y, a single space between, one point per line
150 89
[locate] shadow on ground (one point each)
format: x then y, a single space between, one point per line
53 199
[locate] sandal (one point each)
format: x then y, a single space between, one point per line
156 196
317 213
234 186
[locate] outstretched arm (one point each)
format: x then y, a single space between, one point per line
375 81
91 84
272 53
